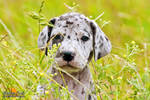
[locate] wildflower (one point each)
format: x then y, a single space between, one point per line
142 50
90 16
124 56
59 44
132 42
13 90
14 62
146 69
5 43
41 74
55 74
51 75
46 92
119 78
54 45
112 77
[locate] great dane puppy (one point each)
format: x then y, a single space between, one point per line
80 39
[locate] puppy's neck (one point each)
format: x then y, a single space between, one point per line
83 76
81 82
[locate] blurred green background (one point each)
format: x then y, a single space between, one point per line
124 20
128 19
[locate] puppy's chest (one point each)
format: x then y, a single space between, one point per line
80 86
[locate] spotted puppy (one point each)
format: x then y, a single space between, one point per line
80 39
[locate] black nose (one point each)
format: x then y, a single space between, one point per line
68 56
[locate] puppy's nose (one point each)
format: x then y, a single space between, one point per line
68 56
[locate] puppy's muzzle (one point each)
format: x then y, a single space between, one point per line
68 56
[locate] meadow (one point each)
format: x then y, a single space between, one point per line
124 74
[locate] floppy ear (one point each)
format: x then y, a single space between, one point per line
45 35
101 43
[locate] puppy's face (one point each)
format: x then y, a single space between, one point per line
79 38
76 40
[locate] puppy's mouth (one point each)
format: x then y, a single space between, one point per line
69 68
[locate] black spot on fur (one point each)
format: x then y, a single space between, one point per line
79 78
44 38
68 37
59 25
81 17
46 50
65 26
50 28
101 45
53 21
90 56
76 33
85 19
77 39
74 85
87 32
42 33
89 97
90 83
93 28
61 18
53 71
84 47
82 91
68 22
99 55
62 84
66 81
101 38
106 38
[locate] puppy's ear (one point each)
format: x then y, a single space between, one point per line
45 35
101 43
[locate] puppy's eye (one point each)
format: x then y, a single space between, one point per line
84 38
58 37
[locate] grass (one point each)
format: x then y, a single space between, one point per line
122 75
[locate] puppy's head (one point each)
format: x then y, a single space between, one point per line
80 39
